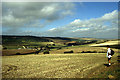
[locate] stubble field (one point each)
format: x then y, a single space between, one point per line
53 65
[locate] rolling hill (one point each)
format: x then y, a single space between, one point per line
15 42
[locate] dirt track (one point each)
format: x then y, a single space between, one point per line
53 65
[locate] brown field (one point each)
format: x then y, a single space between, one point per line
53 65
57 64
76 50
114 42
9 52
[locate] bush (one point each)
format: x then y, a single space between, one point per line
69 51
53 44
46 52
101 52
89 52
59 48
17 53
37 52
4 48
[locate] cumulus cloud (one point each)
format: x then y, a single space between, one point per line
52 29
19 14
39 14
110 16
104 26
83 29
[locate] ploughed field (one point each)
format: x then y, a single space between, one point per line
53 65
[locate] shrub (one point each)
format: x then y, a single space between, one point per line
89 52
59 48
53 44
46 52
17 53
37 52
4 48
69 51
101 52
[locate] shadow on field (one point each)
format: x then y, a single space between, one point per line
118 59
19 52
108 64
36 52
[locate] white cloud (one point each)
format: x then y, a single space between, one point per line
83 29
24 14
112 15
96 22
76 21
51 29
97 27
69 12
47 10
18 14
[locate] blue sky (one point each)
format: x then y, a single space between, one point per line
68 19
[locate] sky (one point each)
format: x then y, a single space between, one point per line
61 19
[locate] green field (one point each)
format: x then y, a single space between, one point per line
15 42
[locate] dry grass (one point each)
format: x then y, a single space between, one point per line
52 65
0 47
107 43
14 51
80 49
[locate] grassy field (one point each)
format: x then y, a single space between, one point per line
15 42
53 65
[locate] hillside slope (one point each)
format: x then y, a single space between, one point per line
112 43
